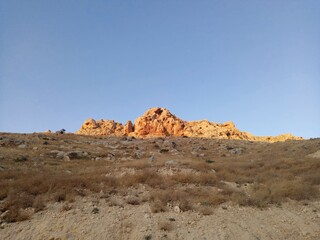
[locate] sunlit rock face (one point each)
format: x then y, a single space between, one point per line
160 122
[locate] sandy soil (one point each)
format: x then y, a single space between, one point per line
290 221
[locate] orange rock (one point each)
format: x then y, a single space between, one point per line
159 122
128 127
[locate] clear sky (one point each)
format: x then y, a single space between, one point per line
254 62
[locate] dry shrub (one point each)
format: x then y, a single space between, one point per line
9 175
199 178
185 205
199 166
277 192
296 190
137 164
113 202
146 176
205 197
165 226
132 200
161 198
16 215
66 207
158 206
38 204
60 195
169 195
313 176
4 189
205 210
19 200
217 199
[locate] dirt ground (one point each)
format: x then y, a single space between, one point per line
66 186
291 221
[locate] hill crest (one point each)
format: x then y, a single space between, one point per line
160 122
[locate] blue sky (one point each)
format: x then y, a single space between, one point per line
254 62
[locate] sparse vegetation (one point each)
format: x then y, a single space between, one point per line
268 175
166 226
205 210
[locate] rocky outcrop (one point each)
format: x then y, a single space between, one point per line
128 127
207 129
160 122
102 127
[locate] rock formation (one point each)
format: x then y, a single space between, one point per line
159 122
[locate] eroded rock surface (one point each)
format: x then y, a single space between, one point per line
160 122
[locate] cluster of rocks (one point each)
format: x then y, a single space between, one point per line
67 156
160 122
12 142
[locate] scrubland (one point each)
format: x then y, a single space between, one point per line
163 175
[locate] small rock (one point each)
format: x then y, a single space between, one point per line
69 236
76 154
130 138
236 151
3 225
164 150
152 159
35 148
194 153
148 237
3 215
166 143
170 162
174 145
62 131
61 154
21 159
95 210
176 209
22 146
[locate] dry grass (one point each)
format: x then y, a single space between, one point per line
166 226
203 178
271 174
157 206
133 200
205 210
66 207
